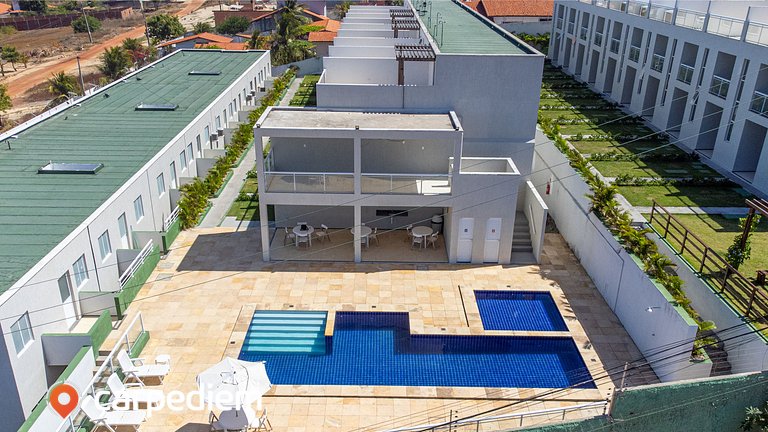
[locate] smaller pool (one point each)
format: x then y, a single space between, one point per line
519 310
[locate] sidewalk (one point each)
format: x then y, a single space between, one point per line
221 204
291 92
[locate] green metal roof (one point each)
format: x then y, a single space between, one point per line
37 211
465 32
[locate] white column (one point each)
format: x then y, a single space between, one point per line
357 152
358 190
262 181
356 234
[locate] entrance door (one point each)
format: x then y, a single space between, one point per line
122 225
466 231
492 240
67 301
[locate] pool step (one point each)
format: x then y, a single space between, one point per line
288 332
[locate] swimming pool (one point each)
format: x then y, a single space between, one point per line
519 310
376 348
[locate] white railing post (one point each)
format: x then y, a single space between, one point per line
294 182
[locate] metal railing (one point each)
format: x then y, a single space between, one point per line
725 26
408 184
583 32
685 73
759 103
757 34
310 182
126 342
598 39
743 296
615 45
634 53
657 62
508 419
135 264
171 218
719 86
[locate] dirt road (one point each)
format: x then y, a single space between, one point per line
22 82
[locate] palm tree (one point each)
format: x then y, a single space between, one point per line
62 85
341 9
287 47
115 62
139 53
202 27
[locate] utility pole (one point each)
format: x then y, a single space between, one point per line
88 26
80 72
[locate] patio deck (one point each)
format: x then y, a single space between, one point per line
197 302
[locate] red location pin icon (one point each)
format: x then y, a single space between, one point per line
63 399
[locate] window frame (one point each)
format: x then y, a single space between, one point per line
105 243
22 331
78 273
138 207
160 183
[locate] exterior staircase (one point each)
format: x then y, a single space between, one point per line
716 352
295 332
522 250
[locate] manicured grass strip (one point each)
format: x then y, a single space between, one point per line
683 196
641 168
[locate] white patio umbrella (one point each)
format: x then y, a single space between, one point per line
234 383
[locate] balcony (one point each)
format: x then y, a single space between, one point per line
410 184
657 62
724 26
310 182
757 34
719 86
615 44
583 32
571 27
685 73
618 5
661 13
601 3
759 104
690 19
598 39
634 53
637 8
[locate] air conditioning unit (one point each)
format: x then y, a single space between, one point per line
249 97
253 92
214 137
220 132
263 89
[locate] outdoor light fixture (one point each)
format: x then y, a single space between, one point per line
650 309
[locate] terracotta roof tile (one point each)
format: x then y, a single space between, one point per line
237 46
209 37
521 8
322 36
4 8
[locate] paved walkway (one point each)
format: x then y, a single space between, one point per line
731 211
223 202
291 91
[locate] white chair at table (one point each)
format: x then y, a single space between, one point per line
432 240
409 230
323 234
289 236
416 240
374 235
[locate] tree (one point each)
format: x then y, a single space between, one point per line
735 255
210 46
139 53
341 9
62 85
287 47
12 55
756 419
70 5
115 62
233 25
37 6
202 27
5 101
79 25
163 27
259 41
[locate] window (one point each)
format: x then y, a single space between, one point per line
218 122
231 112
22 333
122 225
224 116
199 146
105 247
80 270
183 160
190 155
64 288
174 184
207 134
160 185
138 208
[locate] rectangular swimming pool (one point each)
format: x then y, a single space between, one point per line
519 310
376 348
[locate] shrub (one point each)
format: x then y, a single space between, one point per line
233 25
163 27
79 25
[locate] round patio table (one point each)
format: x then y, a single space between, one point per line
303 233
364 233
421 232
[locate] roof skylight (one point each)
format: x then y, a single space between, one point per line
70 168
156 107
204 72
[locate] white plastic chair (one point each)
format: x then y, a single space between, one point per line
416 240
289 236
374 235
323 234
111 419
138 371
302 239
432 240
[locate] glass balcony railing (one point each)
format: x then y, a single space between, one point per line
724 26
615 44
598 39
719 86
757 34
583 32
601 3
637 8
305 182
619 5
661 13
407 184
657 62
634 53
685 73
690 19
759 104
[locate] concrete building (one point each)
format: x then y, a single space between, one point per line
695 69
519 16
452 136
89 190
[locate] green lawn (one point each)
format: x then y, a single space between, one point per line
306 95
678 196
718 232
246 210
640 168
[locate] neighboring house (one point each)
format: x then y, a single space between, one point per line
224 45
94 183
191 41
5 9
699 73
520 16
322 39
411 123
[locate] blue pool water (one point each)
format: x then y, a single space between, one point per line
376 348
519 310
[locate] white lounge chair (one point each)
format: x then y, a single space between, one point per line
138 371
132 393
110 419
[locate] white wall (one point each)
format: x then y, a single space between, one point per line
622 283
361 51
360 70
536 211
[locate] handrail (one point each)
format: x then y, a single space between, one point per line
306 173
615 45
657 62
405 175
761 107
685 73
171 218
454 424
634 53
137 262
719 86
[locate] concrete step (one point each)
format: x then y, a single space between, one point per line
521 248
